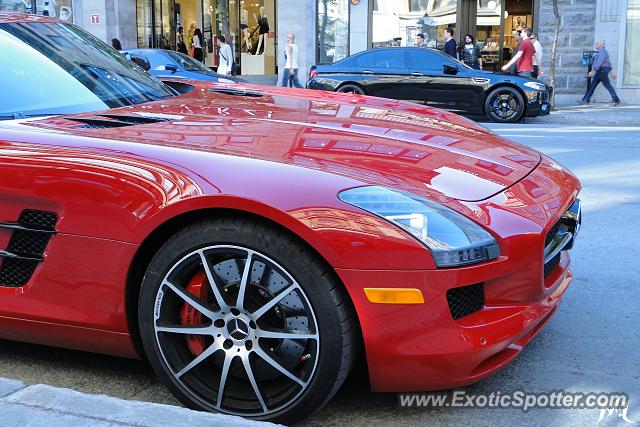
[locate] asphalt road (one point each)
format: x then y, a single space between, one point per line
592 344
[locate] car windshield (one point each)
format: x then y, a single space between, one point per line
58 68
187 63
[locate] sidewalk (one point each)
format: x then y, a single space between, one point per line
599 114
46 406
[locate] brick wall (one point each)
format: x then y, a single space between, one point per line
577 29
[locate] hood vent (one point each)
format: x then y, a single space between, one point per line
114 121
237 92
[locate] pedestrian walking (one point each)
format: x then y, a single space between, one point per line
517 38
470 53
537 58
524 58
450 45
198 53
225 56
115 43
600 73
290 74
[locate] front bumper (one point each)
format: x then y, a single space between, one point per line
420 347
538 103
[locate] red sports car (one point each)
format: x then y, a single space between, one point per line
254 243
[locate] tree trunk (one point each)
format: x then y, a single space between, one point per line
554 50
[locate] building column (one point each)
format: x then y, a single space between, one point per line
359 26
108 19
297 17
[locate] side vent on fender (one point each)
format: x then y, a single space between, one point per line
29 238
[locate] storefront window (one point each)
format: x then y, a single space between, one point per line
18 6
632 45
333 30
418 5
488 32
396 23
57 8
251 29
439 15
143 15
517 17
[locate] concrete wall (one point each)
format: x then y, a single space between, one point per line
610 26
298 17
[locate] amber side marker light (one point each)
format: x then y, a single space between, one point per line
394 295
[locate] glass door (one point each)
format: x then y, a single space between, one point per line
488 33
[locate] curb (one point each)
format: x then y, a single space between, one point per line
595 115
43 405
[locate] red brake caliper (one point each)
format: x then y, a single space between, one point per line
189 316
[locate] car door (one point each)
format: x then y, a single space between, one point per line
449 84
419 71
386 74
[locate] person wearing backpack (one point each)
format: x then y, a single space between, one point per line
225 57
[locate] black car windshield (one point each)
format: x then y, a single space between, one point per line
58 68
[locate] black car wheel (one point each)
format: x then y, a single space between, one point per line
504 105
349 88
238 316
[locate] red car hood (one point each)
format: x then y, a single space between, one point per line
373 140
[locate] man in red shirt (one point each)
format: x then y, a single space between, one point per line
524 58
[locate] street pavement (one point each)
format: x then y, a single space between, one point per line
590 345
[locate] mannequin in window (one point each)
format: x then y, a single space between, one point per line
244 26
263 29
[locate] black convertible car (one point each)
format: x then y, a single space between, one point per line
431 77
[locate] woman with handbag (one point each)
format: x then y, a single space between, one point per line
198 53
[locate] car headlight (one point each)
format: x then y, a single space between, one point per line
536 86
453 239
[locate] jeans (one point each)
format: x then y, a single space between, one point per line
290 79
525 73
602 75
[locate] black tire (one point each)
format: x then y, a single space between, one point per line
331 310
351 88
504 104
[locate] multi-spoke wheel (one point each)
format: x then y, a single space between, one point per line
239 318
504 105
349 88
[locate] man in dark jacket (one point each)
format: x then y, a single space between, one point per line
450 46
600 73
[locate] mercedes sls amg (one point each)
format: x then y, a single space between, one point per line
254 243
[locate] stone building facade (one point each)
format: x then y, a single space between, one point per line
583 22
327 30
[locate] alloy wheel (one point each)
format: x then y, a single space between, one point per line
236 331
504 106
